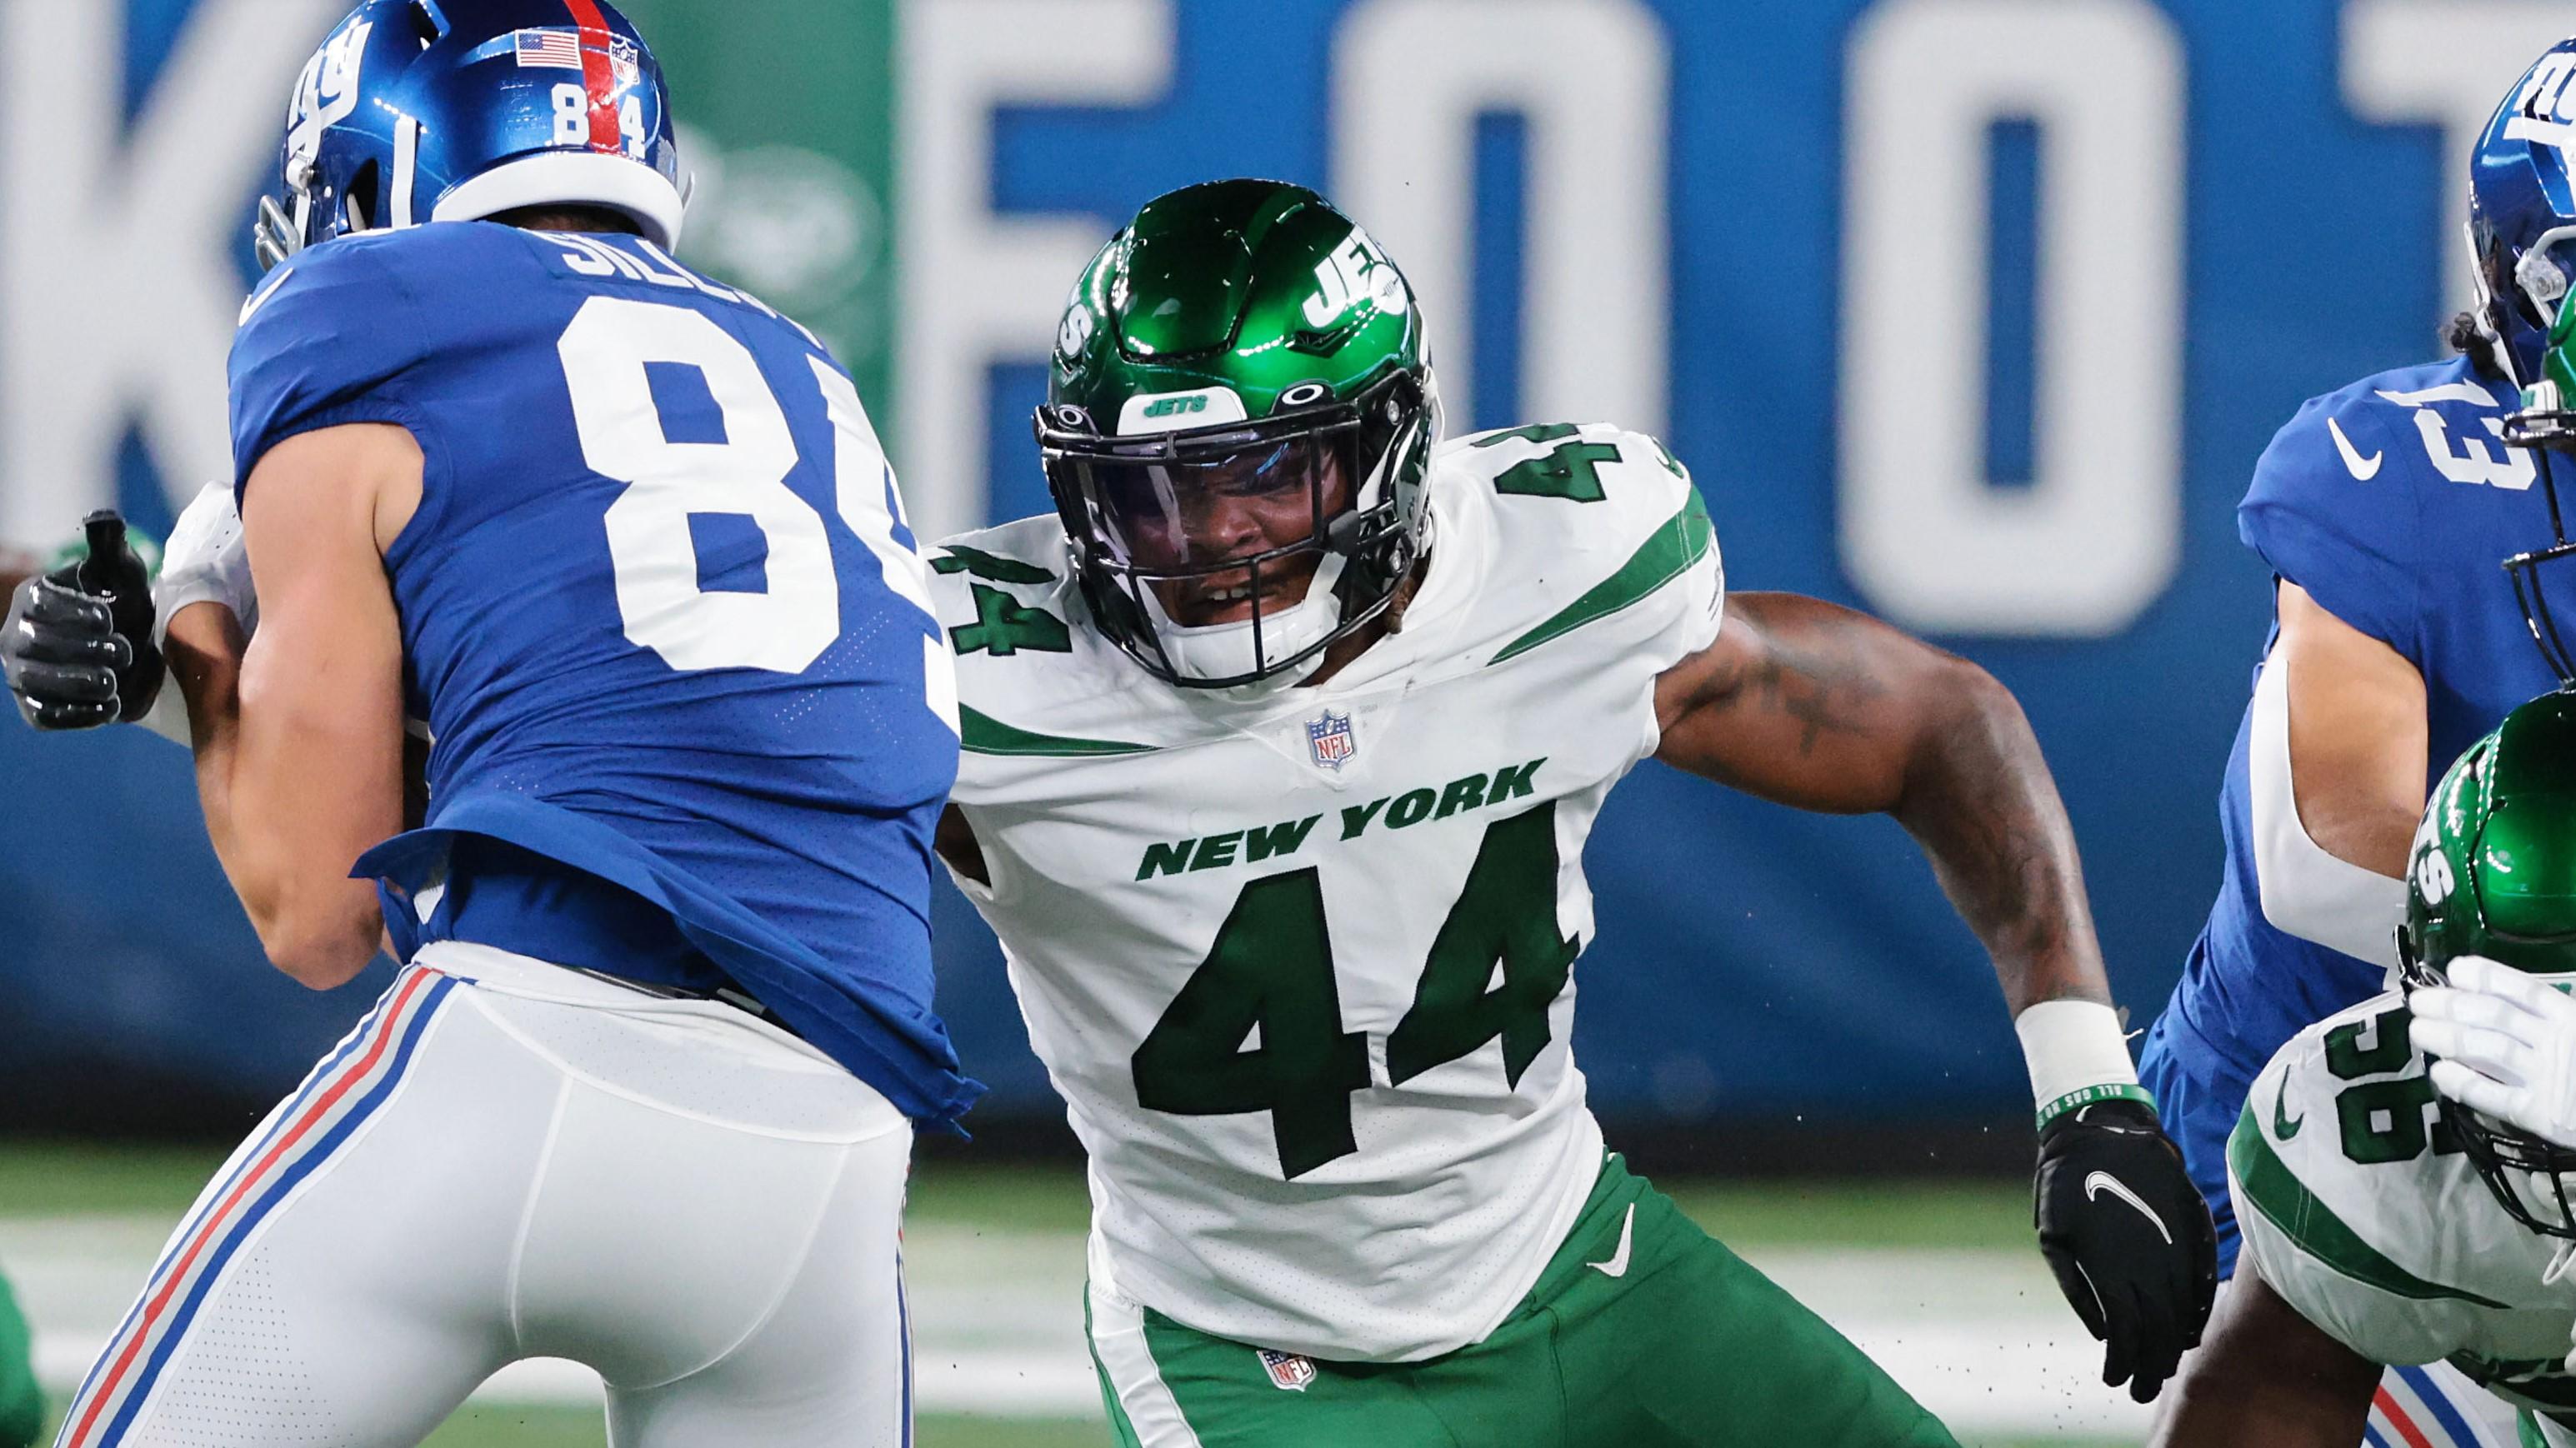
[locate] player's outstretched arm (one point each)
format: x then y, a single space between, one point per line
299 734
2266 1377
1822 708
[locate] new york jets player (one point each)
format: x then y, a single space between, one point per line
2383 1227
1283 737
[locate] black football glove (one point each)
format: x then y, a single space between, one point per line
77 645
2128 1237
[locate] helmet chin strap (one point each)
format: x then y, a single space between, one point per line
1219 650
2488 308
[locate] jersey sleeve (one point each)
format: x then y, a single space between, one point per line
2294 1205
329 339
1681 545
1609 536
2322 517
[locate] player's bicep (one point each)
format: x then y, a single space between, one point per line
2265 1375
1807 704
2357 737
329 649
318 774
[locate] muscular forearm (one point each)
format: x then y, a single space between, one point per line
2213 1411
317 928
2265 1377
1978 797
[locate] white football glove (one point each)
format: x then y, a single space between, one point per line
2504 1043
206 561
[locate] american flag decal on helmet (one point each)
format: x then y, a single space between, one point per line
549 49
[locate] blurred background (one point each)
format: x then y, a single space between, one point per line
1974 313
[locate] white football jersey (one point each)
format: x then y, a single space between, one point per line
2361 1211
1298 958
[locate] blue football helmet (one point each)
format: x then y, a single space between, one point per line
456 110
2522 213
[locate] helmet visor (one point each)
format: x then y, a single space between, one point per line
1221 529
1180 515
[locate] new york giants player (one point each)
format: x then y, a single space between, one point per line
623 541
2383 510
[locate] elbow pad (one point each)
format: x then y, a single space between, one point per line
2305 891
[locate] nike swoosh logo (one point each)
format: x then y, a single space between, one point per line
259 298
2363 469
2283 1128
1617 1266
2103 1181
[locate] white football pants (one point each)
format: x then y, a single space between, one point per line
508 1160
2436 1406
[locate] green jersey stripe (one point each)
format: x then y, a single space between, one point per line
983 734
1667 554
2274 1190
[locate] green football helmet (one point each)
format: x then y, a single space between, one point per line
1238 426
2493 873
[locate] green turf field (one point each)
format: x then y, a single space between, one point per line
530 1428
43 1181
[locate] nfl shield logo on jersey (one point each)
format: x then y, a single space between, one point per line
1331 741
1287 1370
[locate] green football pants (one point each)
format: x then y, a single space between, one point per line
22 1408
1687 1345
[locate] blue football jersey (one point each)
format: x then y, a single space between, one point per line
2393 503
692 718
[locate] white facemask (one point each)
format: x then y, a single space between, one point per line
1223 650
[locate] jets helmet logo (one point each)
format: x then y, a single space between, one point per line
1355 272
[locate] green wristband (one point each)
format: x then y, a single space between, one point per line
2091 1094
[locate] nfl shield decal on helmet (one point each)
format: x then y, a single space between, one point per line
1330 740
1287 1370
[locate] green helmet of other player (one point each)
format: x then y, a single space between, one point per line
2493 873
1238 423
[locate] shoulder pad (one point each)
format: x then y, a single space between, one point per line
1034 680
1576 463
2338 501
321 342
2336 1167
2439 423
1588 522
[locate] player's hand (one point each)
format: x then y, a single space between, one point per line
2503 1043
2128 1237
60 652
206 561
77 646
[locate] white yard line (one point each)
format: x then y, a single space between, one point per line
1980 1337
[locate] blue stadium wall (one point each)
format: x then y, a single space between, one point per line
1974 314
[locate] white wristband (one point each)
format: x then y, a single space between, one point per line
2071 1046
